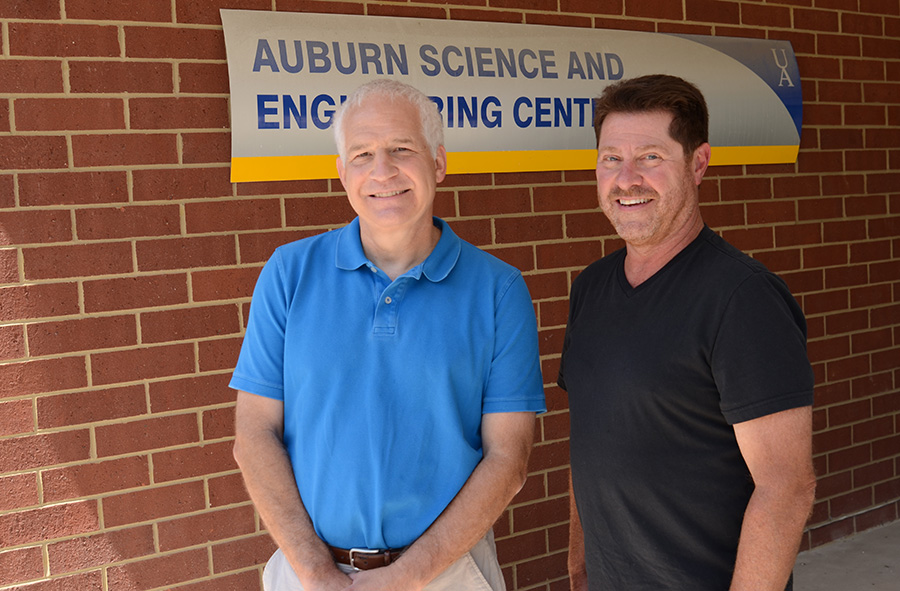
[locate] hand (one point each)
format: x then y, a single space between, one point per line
333 580
380 579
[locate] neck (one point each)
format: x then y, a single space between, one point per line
397 252
643 262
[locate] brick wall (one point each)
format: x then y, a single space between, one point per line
127 261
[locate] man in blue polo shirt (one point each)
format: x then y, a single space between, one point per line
389 377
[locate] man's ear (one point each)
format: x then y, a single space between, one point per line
340 168
440 164
700 162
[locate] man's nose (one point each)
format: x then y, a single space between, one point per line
383 166
628 175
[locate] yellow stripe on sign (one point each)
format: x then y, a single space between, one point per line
285 168
737 155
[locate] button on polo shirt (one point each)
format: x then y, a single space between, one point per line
384 382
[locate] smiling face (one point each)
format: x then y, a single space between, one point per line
646 185
387 170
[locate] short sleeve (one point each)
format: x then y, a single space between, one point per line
759 359
515 383
260 366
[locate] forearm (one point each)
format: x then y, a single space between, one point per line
270 481
576 561
770 537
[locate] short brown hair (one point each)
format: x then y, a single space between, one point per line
659 92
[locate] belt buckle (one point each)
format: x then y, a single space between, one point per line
355 551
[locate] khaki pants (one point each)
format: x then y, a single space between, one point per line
477 570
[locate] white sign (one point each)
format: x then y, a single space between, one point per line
512 97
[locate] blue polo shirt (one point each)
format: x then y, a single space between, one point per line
384 382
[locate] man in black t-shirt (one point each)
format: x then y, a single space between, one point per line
685 363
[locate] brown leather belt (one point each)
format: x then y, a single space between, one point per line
362 559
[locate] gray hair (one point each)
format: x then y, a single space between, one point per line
429 116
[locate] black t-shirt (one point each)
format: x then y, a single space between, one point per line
656 376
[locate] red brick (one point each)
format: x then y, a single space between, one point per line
96 478
756 15
100 549
206 527
47 523
153 503
242 553
567 254
665 11
713 11
119 77
850 412
46 114
18 491
871 385
163 571
141 364
12 342
141 435
219 354
317 211
528 229
88 260
207 13
128 222
258 247
186 183
7 188
845 277
63 40
218 423
541 569
21 564
565 198
73 188
830 255
186 253
34 227
38 301
124 149
203 78
84 334
874 429
16 417
229 216
78 408
204 148
9 271
850 503
190 323
494 202
31 76
548 455
145 10
30 152
522 547
520 257
164 42
179 113
224 284
245 581
851 367
227 490
104 295
45 375
192 392
193 462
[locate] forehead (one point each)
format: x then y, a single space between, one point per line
380 119
637 129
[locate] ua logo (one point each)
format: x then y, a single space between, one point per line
783 64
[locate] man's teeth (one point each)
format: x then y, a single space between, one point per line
633 201
387 194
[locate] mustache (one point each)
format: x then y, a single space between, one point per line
632 192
